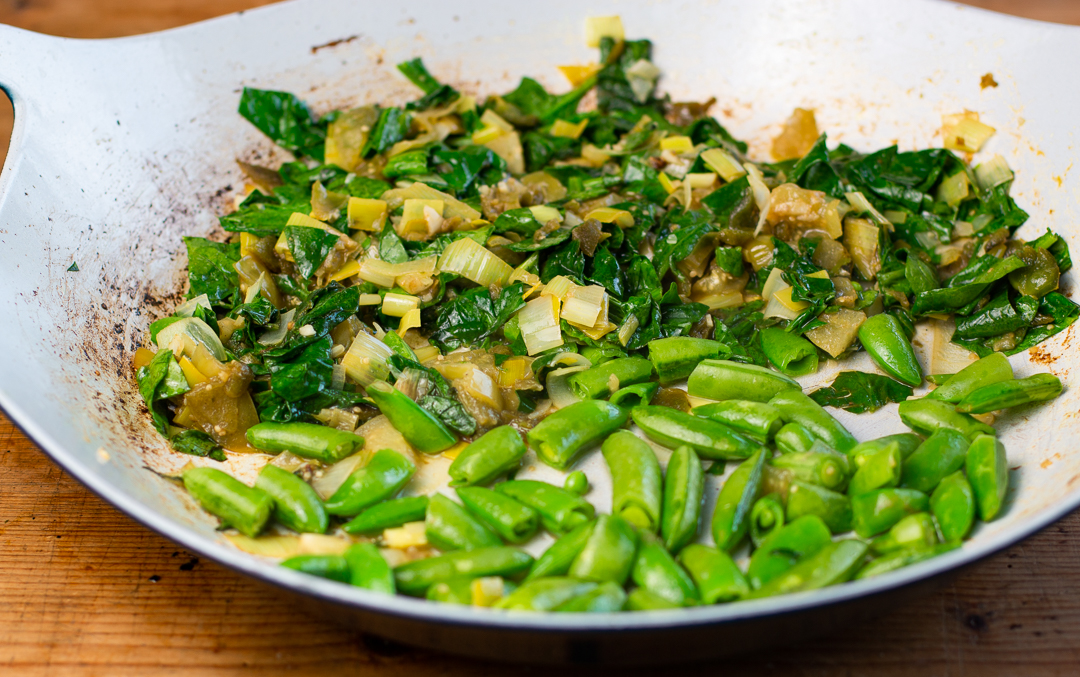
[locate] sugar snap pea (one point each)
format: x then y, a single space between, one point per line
604 598
452 591
943 453
988 370
557 559
926 415
634 395
514 522
636 480
545 594
902 558
913 531
296 505
608 554
308 440
562 436
641 599
384 475
368 569
791 354
674 358
793 437
953 506
450 527
766 518
333 567
725 380
794 542
577 482
731 518
796 406
717 577
827 469
877 470
757 419
414 578
988 472
417 425
709 439
908 443
809 499
657 571
877 511
387 515
244 508
684 484
888 345
1011 393
560 510
596 381
496 452
833 563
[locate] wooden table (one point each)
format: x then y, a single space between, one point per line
84 590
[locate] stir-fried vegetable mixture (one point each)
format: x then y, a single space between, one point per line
482 281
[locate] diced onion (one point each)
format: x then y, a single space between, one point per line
472 261
721 162
558 387
508 147
333 477
539 324
583 305
411 534
839 331
366 360
993 172
277 333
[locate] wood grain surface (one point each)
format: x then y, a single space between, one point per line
84 590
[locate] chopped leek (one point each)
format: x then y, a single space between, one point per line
559 286
677 144
993 173
620 217
954 189
721 162
539 324
568 130
364 214
964 132
377 272
472 261
583 305
544 214
366 359
396 305
410 320
298 219
598 27
860 205
420 191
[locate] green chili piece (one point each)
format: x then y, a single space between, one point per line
825 469
450 527
902 558
926 416
953 505
308 440
791 354
453 591
876 511
545 594
793 438
794 406
684 485
877 470
244 508
884 339
724 380
608 555
496 452
913 531
943 453
710 439
908 443
577 482
368 569
757 419
834 563
387 515
512 521
384 475
766 518
414 578
596 382
675 358
634 395
636 480
560 437
715 574
731 518
604 598
333 567
296 505
809 499
417 425
793 543
641 599
560 510
989 370
1013 393
557 559
658 572
988 472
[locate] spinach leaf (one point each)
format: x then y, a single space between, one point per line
308 373
309 247
857 391
450 412
1062 313
392 126
566 260
553 239
676 240
473 316
461 168
997 317
814 172
391 249
541 149
211 272
363 187
285 119
406 164
520 221
418 74
322 311
158 381
261 220
197 443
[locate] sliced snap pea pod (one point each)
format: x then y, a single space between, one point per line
634 395
953 505
383 476
725 380
833 563
453 591
791 354
799 408
943 453
596 381
658 572
387 515
557 559
609 553
776 481
296 505
496 452
884 339
334 567
908 443
989 370
926 415
450 527
788 546
913 531
793 437
877 511
684 485
757 419
825 469
731 518
809 499
715 574
709 439
244 508
418 426
601 354
414 578
877 470
308 440
545 594
560 510
674 358
577 482
641 599
368 569
988 472
636 480
1013 393
766 518
902 558
604 598
513 521
560 437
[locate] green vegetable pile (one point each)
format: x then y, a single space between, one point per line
445 277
